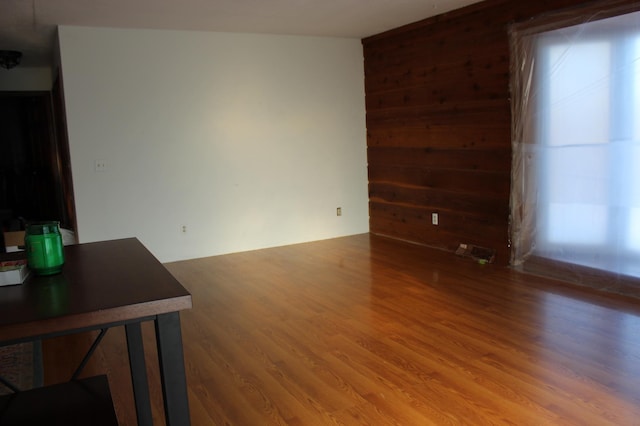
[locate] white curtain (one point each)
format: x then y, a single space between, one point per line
576 142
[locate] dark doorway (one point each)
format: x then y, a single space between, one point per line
35 170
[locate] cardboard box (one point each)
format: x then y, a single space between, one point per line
14 238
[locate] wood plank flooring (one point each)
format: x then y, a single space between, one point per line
365 330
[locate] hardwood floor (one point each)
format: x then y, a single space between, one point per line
364 330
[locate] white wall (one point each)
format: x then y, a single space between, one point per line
251 141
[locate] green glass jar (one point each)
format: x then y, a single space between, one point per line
43 244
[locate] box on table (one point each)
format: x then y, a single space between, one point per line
13 271
14 238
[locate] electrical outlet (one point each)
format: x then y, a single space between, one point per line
339 211
100 165
434 218
184 229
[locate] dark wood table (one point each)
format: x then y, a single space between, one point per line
102 285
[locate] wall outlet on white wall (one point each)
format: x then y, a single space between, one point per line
100 165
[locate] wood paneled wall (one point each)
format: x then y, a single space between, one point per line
439 126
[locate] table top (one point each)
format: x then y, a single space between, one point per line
101 283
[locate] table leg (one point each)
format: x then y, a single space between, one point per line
172 371
139 374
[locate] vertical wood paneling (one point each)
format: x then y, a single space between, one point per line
439 125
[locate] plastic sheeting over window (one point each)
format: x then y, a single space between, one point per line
575 202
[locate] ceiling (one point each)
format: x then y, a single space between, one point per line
29 25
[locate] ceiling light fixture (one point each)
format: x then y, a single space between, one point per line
10 58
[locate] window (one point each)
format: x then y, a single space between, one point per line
576 180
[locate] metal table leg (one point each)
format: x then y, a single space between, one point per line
172 371
139 374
